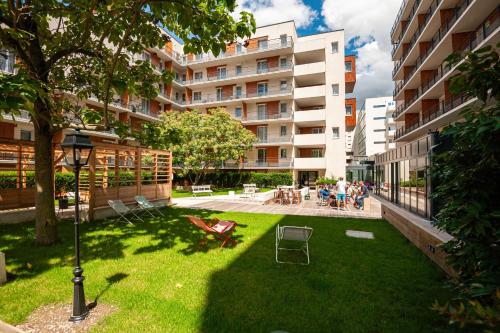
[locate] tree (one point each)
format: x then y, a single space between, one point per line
467 175
85 48
200 142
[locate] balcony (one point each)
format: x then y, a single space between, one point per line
309 163
164 98
318 115
271 45
234 76
309 69
310 92
309 45
262 96
256 117
397 42
268 163
309 139
274 139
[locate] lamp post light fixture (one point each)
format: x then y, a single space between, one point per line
77 149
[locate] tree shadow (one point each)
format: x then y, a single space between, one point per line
113 279
104 239
351 285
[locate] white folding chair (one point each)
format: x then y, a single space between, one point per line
295 234
119 207
147 205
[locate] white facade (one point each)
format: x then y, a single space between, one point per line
375 127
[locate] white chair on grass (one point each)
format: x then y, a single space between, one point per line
147 205
119 207
299 235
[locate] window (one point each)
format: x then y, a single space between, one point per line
282 153
220 94
238 70
379 130
316 152
284 40
262 89
183 77
261 155
197 96
262 44
379 106
379 142
183 97
237 91
335 47
146 57
262 66
261 111
221 73
145 106
262 133
25 135
283 62
199 56
7 61
238 48
335 89
283 85
348 110
198 76
379 118
283 131
348 66
237 112
283 108
176 96
317 130
335 132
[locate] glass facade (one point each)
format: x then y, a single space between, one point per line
402 176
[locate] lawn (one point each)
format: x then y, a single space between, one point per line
219 191
162 280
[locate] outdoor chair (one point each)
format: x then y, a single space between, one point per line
293 234
221 230
147 205
119 207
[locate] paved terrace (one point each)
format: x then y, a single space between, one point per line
226 203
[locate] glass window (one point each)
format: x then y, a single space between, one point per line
262 133
261 155
283 62
348 110
25 135
237 91
238 48
238 70
261 111
237 112
335 89
283 131
317 130
283 108
263 44
199 56
197 96
335 47
284 40
283 85
348 66
221 73
335 132
262 89
262 66
183 77
145 106
283 153
198 76
219 94
7 61
316 152
146 57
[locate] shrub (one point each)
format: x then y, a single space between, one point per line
326 181
271 179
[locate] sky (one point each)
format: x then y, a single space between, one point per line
366 23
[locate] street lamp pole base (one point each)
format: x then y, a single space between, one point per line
80 310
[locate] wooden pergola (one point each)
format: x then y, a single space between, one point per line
114 171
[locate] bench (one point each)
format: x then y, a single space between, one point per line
197 189
249 190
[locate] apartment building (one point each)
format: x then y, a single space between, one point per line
375 127
288 90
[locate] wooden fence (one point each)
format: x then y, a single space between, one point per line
113 172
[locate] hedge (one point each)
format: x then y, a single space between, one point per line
326 181
412 183
224 179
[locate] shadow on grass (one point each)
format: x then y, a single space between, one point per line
351 285
104 239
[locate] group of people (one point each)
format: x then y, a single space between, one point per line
346 193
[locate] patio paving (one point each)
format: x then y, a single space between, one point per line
306 208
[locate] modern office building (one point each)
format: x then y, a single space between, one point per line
424 33
373 126
289 90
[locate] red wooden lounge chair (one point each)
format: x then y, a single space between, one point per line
220 229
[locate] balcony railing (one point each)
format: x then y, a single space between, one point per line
272 44
244 72
434 113
172 98
403 31
257 116
180 58
274 139
222 98
436 39
268 163
471 44
398 17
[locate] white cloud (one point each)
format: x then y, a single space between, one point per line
370 22
274 11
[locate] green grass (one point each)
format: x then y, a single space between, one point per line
162 280
219 191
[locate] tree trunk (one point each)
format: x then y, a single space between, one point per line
45 216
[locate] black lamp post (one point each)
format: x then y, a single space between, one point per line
76 149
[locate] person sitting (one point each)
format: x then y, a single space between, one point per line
363 193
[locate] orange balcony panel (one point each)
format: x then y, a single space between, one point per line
350 121
350 76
